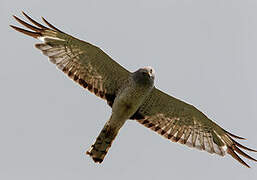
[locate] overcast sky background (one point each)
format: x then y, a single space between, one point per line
203 51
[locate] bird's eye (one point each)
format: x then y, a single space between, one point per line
151 71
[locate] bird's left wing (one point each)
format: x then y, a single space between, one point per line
183 123
83 62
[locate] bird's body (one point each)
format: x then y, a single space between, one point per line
131 96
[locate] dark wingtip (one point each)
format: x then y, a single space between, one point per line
244 147
12 26
29 33
26 24
23 13
235 156
234 148
33 21
50 25
233 135
242 153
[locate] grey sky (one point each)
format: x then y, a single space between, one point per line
203 52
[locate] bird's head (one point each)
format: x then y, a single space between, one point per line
144 76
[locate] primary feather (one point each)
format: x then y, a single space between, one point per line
94 70
83 62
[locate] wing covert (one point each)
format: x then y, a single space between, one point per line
83 62
183 123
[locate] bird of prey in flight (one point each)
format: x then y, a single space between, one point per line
131 95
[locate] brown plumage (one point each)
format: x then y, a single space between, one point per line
94 70
87 73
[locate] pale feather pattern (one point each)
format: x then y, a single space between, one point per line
68 60
94 70
183 123
86 64
192 136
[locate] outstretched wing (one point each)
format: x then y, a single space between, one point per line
183 123
83 62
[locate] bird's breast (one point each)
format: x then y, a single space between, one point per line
128 101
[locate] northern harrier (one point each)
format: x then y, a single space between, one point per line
130 95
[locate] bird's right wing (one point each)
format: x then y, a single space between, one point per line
83 62
183 123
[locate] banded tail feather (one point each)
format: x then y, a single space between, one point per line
84 63
103 143
94 70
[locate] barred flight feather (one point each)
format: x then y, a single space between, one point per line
94 70
183 123
189 136
195 136
82 62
